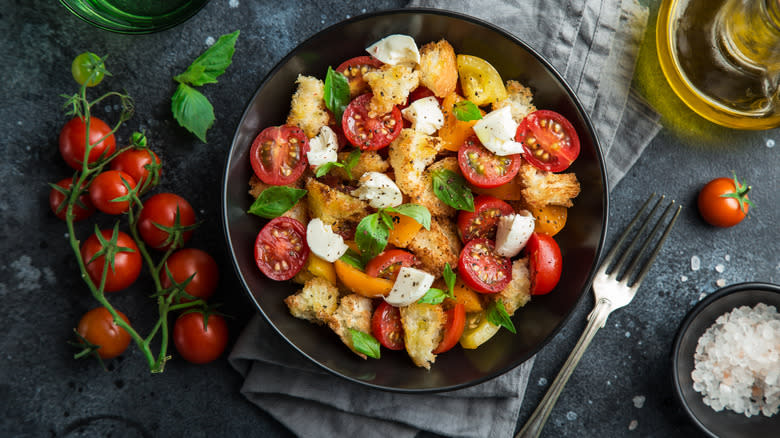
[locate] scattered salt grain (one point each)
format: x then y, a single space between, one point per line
233 3
770 143
720 282
210 41
639 401
628 334
727 257
683 278
695 263
719 268
633 425
571 415
737 362
542 381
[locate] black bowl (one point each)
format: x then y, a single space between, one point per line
580 242
726 423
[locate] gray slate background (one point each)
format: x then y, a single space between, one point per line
621 388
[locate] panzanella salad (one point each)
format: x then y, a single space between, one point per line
414 194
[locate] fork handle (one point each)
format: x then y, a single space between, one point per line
596 320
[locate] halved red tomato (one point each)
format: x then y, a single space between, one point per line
388 263
549 140
456 322
386 326
544 263
354 69
281 249
370 133
483 168
483 221
482 269
278 154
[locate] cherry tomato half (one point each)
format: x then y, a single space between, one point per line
197 343
388 263
107 187
73 141
370 133
483 221
281 249
723 202
549 140
164 210
456 322
127 264
483 168
98 328
278 154
135 162
544 263
482 269
386 326
195 263
81 209
354 69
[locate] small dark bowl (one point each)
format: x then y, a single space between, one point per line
726 423
580 242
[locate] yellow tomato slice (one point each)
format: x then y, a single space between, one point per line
454 132
478 330
321 268
479 80
361 283
404 229
550 219
511 191
468 297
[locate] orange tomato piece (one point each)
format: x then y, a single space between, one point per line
361 283
550 219
511 191
468 297
404 229
454 132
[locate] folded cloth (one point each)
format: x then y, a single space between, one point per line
593 44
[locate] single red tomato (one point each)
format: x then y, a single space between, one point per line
278 154
544 263
107 187
126 267
165 210
724 202
197 342
483 221
73 141
388 263
386 326
482 269
281 249
549 140
354 69
82 209
195 263
370 133
136 163
456 322
98 328
483 168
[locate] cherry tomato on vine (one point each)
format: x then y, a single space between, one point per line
723 202
81 210
98 328
386 326
126 266
88 69
354 69
544 263
370 133
483 168
549 140
134 162
278 154
107 187
199 343
388 263
73 141
165 210
483 221
453 329
281 249
196 263
482 269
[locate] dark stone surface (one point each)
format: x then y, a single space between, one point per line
623 377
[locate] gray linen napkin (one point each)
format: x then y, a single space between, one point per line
593 44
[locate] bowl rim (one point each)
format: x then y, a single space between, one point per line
191 12
685 324
581 111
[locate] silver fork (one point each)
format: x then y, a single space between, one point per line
613 288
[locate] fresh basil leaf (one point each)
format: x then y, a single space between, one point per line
466 111
449 279
336 92
352 258
497 315
386 218
414 211
433 296
365 343
275 200
192 110
325 168
452 189
371 236
211 63
351 162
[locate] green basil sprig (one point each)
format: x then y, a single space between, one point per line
498 316
351 257
466 111
433 296
373 230
452 189
275 200
336 93
365 343
348 164
449 279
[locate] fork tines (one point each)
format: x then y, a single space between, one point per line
619 269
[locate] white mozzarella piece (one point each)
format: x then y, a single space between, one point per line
395 49
513 233
323 148
378 190
425 115
411 285
324 242
497 132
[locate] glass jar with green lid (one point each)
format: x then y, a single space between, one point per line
134 16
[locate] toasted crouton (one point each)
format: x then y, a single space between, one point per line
354 312
316 302
370 161
424 195
332 205
542 188
308 110
518 292
436 247
409 155
423 331
391 85
519 99
438 69
299 211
